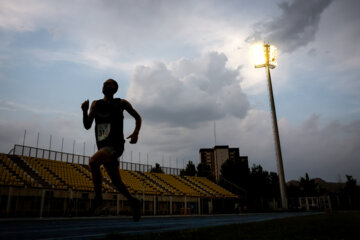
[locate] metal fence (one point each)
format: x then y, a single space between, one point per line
80 159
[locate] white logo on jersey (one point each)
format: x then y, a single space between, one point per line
103 130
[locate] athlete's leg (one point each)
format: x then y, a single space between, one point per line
99 158
113 170
112 167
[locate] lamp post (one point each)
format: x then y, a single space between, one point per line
266 57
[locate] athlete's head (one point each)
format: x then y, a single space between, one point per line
110 87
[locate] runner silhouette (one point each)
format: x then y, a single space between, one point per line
108 115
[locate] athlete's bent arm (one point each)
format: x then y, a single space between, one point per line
134 136
88 119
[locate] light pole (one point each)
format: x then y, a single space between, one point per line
266 57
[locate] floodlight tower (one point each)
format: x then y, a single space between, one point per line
266 57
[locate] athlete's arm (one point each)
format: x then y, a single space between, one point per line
88 119
134 136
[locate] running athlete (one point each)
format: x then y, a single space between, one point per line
108 115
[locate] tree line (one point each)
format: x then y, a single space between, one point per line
261 184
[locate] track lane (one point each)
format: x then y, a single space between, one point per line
97 227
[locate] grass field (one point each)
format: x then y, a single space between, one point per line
339 225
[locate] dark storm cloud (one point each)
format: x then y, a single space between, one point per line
296 27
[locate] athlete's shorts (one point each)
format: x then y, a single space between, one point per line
114 152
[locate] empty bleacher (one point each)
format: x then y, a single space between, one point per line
6 178
13 174
178 186
20 171
44 173
155 188
68 174
172 190
215 189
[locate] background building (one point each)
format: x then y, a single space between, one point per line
217 156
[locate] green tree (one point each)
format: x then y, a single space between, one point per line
263 184
308 186
204 170
275 185
350 185
156 169
190 170
353 192
236 172
293 191
259 180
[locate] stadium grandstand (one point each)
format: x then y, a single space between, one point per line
41 183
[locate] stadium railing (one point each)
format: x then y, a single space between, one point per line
28 151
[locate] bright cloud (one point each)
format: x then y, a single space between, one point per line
188 92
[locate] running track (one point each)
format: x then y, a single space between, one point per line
98 227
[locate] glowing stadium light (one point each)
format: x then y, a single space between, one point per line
264 54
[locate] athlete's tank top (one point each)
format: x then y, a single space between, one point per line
109 119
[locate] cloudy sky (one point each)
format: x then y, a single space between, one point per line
184 66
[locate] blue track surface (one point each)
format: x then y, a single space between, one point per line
90 228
